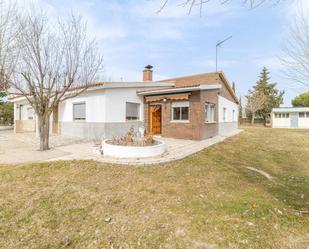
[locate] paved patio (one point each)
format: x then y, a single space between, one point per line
23 148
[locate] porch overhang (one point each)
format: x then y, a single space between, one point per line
165 97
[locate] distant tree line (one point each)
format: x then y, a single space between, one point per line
301 100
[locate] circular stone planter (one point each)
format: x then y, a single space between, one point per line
122 151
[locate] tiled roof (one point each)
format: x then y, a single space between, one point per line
204 78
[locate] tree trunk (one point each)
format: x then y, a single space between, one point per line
252 118
43 122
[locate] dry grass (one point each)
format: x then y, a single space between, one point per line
209 200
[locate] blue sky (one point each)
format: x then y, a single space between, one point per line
131 35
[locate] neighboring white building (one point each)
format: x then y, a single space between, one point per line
290 117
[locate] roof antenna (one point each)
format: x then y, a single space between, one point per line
217 46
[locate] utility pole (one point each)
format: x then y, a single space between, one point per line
218 45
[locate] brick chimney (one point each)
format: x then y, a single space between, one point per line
147 73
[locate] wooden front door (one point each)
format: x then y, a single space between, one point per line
155 119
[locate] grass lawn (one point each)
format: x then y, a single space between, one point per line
206 201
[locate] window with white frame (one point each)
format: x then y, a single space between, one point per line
79 111
132 111
224 114
234 118
30 113
180 111
307 114
209 112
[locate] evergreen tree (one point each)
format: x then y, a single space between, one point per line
274 97
6 110
2 95
234 87
240 108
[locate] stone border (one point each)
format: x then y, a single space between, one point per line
168 157
120 151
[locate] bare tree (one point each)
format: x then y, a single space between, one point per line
255 102
8 30
56 62
296 51
190 4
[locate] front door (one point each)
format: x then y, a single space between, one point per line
294 120
155 119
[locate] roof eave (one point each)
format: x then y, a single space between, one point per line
180 89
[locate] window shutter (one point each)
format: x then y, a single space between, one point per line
79 111
132 111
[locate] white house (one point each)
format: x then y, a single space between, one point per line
191 107
290 117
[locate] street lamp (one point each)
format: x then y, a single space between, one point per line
218 45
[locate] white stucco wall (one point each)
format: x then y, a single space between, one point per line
281 122
230 106
116 104
95 107
303 122
104 106
286 122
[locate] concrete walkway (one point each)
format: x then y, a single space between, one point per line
23 148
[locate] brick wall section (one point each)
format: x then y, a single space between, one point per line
189 130
196 129
146 116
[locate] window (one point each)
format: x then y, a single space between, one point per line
209 112
307 114
282 115
180 111
79 111
233 115
132 111
301 114
30 112
224 114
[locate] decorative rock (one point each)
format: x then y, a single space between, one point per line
108 220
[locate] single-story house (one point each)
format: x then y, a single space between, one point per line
190 107
290 117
